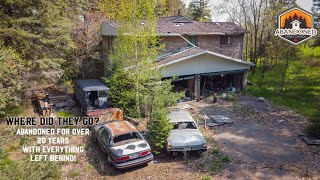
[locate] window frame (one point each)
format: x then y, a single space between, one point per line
224 40
192 38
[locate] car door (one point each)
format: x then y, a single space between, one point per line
103 139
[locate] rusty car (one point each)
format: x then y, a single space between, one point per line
122 143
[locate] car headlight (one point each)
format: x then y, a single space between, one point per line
204 145
169 146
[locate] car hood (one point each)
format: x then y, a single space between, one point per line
186 137
130 148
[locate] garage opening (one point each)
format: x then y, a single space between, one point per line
204 85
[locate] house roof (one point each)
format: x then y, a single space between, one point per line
193 52
198 28
92 85
182 25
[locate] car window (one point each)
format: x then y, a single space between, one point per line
104 135
184 125
126 137
103 94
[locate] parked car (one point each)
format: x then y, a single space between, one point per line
91 94
185 135
124 146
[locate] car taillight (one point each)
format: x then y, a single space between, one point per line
144 153
123 158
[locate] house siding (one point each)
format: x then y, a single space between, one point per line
212 43
172 43
208 42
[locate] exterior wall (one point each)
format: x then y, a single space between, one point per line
212 43
205 63
208 42
172 43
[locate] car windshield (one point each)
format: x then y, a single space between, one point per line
103 94
125 138
184 125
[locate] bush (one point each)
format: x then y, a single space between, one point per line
26 169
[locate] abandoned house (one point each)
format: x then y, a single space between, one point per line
205 57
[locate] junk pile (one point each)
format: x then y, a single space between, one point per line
51 100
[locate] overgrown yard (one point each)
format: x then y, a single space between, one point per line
302 85
262 143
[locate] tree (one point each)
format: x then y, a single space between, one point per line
199 10
87 37
11 69
135 81
281 54
170 8
39 32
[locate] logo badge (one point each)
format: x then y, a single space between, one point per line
295 26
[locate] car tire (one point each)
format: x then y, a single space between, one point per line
109 162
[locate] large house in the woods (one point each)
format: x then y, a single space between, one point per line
205 57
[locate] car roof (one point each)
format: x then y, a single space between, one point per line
92 85
179 116
119 127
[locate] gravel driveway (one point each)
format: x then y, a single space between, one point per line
264 142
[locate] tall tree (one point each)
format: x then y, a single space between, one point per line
199 10
11 67
134 73
170 8
39 33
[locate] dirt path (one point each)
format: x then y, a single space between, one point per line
263 142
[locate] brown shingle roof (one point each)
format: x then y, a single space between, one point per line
169 25
196 51
182 54
199 28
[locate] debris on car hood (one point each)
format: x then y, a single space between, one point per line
186 137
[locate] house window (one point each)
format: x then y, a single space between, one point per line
225 40
193 40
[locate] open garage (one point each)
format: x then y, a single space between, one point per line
201 72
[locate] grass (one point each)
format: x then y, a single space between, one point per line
73 173
302 86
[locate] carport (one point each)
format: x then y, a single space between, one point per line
199 72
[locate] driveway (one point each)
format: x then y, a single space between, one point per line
263 142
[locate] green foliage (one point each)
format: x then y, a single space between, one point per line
135 81
199 10
121 91
25 169
302 87
11 67
36 46
278 57
159 99
170 8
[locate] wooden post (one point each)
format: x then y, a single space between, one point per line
197 87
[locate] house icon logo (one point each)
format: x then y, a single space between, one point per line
295 26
